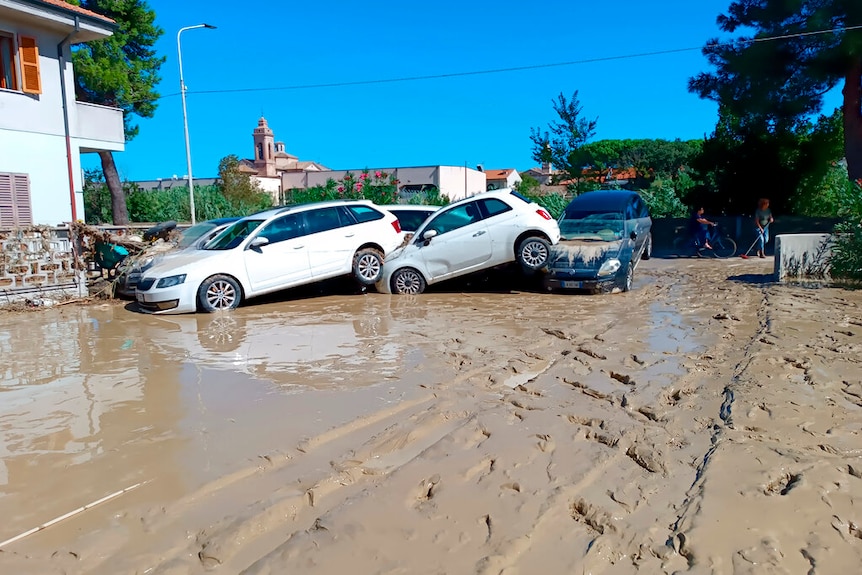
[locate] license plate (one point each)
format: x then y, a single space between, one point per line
139 297
573 285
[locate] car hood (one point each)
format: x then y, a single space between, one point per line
184 261
583 253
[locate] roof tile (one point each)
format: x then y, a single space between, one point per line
73 8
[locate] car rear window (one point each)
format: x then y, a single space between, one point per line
365 213
411 219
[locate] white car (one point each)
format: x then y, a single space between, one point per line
271 251
477 233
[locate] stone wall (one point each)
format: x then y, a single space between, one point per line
38 260
802 256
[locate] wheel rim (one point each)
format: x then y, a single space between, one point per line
408 282
629 277
368 267
221 295
534 254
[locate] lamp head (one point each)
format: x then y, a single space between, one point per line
210 26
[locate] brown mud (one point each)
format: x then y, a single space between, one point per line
707 422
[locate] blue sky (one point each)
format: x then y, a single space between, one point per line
479 119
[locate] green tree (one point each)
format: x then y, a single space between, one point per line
776 84
243 194
121 71
562 145
528 185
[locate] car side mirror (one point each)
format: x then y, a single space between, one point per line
428 236
257 243
633 236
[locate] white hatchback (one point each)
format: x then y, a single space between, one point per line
271 251
477 233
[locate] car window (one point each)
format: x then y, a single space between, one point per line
601 226
234 235
455 218
284 228
493 207
323 219
364 213
411 219
190 235
641 208
631 213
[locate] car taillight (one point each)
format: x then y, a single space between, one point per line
397 225
543 213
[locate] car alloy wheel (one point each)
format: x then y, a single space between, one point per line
368 266
219 293
408 281
533 253
630 272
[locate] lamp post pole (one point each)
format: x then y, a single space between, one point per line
186 117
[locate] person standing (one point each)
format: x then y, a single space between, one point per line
762 218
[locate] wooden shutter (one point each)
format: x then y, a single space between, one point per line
15 207
28 53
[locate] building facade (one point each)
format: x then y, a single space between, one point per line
43 129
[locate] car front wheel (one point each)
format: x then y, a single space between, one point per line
626 283
408 281
368 266
219 293
647 253
533 253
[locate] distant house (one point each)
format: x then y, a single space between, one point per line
543 174
43 129
271 161
496 179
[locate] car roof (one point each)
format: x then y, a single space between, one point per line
602 199
501 192
266 214
220 221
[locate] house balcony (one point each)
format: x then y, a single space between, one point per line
99 128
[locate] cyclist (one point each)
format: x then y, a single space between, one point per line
699 227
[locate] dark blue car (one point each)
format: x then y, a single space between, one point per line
605 234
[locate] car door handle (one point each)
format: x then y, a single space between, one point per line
298 247
349 235
479 233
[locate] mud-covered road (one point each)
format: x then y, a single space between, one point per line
706 422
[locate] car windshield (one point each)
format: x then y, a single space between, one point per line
192 234
601 226
234 235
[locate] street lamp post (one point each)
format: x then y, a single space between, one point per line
185 115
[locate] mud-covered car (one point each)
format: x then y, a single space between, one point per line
605 234
478 233
192 238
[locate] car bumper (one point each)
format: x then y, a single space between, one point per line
578 283
177 299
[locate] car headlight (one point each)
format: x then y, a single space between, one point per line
171 281
146 263
609 267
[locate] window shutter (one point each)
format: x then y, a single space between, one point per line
28 52
15 207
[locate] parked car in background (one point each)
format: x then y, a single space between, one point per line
605 234
271 251
410 216
191 238
480 232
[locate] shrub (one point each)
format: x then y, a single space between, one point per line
663 200
846 259
379 187
554 202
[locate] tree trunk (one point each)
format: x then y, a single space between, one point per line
118 198
853 120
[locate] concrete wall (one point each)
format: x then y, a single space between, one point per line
799 256
98 127
35 262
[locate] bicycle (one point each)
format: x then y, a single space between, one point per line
723 246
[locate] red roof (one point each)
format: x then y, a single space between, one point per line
498 174
78 9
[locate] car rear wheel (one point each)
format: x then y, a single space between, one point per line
533 253
647 253
368 266
408 281
219 293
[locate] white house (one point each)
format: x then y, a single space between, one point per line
43 129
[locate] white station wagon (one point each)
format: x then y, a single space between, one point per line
477 233
271 251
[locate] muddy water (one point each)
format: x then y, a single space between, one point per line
451 432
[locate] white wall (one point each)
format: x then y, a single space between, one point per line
456 186
43 157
